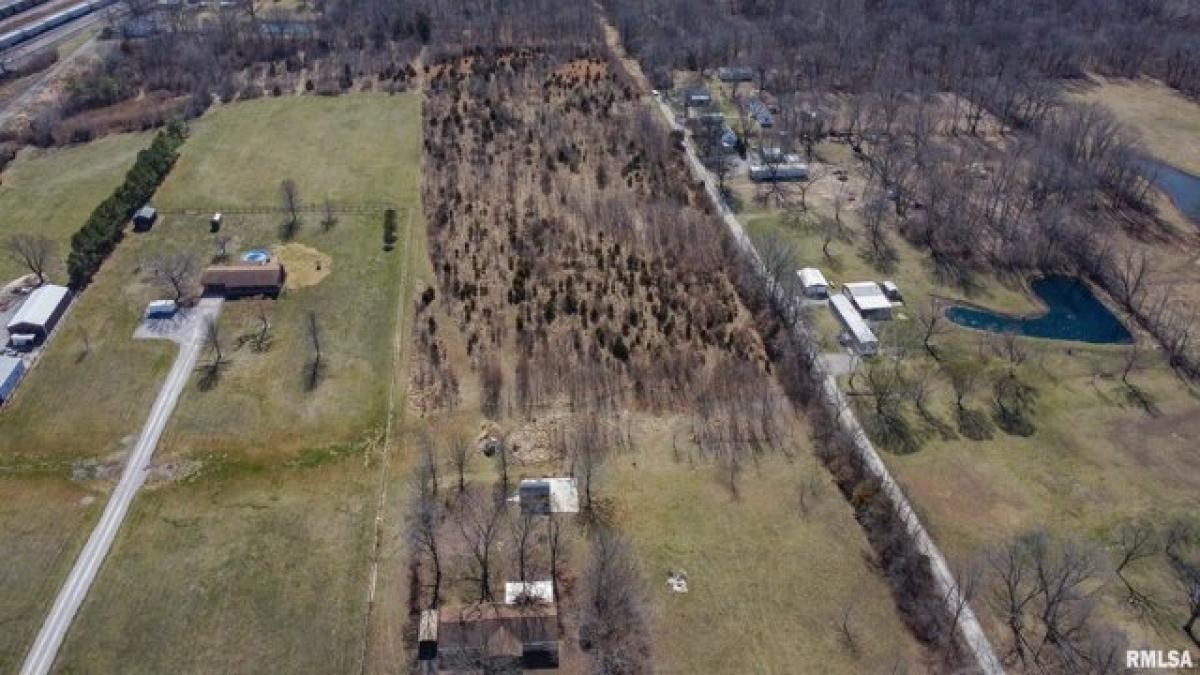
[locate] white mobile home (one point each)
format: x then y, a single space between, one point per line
12 369
862 339
813 283
787 171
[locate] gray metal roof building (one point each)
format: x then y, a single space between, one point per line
40 312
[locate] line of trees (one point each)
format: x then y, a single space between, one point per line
93 243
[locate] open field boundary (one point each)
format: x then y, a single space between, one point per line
834 399
260 209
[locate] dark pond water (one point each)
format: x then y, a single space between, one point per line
1182 187
1074 313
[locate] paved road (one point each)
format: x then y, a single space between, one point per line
190 336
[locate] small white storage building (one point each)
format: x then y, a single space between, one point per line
869 299
862 339
41 311
892 291
813 283
161 309
12 369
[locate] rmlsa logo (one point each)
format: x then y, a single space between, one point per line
1158 658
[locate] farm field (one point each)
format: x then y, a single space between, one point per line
263 485
51 192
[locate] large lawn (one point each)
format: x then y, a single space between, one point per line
363 148
1095 461
43 522
258 560
767 585
251 573
52 192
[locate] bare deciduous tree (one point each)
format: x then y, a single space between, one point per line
1183 553
460 458
613 627
175 271
33 251
289 196
479 523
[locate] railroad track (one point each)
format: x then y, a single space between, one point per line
16 43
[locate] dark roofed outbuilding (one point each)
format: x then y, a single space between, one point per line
144 218
494 636
244 279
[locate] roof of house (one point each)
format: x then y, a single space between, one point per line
42 303
852 320
498 630
564 495
811 276
243 275
867 296
8 364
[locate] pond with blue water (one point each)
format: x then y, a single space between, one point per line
1182 187
1073 312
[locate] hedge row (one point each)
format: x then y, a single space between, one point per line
105 227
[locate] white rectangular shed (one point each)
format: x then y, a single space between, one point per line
41 311
813 282
862 339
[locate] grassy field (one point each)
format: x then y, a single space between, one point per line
52 192
767 586
253 573
260 517
43 522
1168 121
1096 461
344 149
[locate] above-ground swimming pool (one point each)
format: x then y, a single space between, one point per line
257 255
1073 313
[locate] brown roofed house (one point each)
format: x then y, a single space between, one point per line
497 637
234 281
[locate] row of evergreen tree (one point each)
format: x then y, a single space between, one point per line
93 243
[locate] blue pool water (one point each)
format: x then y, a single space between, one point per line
1073 313
1182 187
257 256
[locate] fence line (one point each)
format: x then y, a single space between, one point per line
260 209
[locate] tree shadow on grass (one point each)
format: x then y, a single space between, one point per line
210 375
1138 397
314 373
